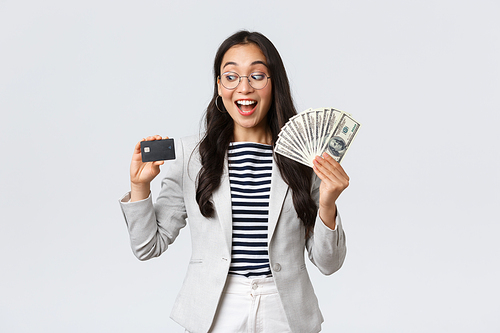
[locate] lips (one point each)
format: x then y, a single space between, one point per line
246 106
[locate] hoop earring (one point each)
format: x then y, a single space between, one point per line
217 106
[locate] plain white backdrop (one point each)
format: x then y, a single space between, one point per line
82 81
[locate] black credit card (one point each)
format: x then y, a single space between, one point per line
157 150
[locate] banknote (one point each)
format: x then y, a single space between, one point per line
344 133
315 131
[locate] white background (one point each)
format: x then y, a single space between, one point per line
82 81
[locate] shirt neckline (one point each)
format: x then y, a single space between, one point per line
236 143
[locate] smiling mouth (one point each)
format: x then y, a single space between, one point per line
246 105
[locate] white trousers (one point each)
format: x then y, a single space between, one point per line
250 306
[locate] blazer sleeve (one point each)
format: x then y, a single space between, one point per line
326 247
153 227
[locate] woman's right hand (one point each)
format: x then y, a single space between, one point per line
141 174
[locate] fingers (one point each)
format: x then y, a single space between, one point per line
328 169
331 164
137 148
337 166
154 137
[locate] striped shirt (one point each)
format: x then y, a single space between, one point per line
250 166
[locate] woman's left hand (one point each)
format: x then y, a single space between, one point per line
334 180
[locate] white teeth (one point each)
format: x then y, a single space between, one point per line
245 102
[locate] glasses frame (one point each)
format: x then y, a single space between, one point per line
242 76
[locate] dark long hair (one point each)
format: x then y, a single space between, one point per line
219 133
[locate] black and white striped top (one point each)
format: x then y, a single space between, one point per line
250 166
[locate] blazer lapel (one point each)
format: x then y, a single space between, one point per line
277 197
222 204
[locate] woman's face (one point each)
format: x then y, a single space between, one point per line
247 106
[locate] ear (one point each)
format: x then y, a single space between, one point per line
218 87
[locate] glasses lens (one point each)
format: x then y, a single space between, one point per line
258 80
230 80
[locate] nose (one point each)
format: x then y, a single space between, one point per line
244 86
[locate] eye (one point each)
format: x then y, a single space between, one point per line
257 76
230 77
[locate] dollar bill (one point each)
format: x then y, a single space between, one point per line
340 140
315 131
291 154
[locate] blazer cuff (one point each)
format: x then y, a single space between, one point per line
327 236
337 221
137 210
125 199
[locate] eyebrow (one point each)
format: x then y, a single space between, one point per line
257 62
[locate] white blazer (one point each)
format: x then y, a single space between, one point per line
153 227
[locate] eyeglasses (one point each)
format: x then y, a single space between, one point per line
257 80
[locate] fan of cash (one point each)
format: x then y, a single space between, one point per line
316 131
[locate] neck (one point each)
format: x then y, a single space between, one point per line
252 135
